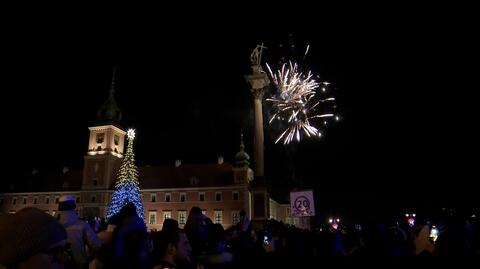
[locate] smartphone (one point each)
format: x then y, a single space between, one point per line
433 233
266 239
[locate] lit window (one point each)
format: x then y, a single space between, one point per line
182 217
218 196
168 197
167 215
235 196
201 196
152 217
235 217
54 212
183 197
218 217
153 197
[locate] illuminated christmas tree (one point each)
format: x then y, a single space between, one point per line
127 187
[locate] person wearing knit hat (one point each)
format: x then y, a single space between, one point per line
32 239
79 233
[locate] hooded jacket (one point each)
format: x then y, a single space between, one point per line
79 235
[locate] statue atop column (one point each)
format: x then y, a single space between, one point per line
256 58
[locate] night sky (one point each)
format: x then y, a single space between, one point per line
404 86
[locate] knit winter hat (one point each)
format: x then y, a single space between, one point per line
66 203
27 233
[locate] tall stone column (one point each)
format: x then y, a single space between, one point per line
259 197
258 81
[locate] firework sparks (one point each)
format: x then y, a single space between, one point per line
297 103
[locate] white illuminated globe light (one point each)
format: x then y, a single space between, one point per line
330 220
131 133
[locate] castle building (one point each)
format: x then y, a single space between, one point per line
220 189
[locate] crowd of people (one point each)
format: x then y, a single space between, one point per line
34 239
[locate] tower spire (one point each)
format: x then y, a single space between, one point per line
242 146
112 87
242 158
109 111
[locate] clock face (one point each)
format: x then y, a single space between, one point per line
100 138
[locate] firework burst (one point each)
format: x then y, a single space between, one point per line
298 103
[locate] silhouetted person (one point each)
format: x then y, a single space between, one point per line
80 234
216 253
197 230
452 240
32 239
171 250
170 225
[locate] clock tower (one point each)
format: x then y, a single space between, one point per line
104 156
